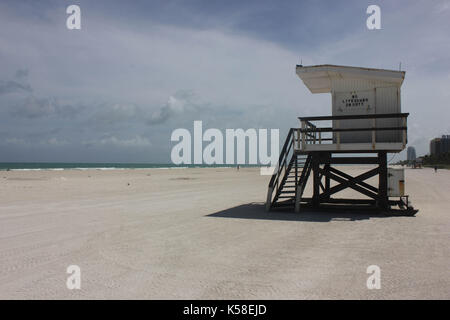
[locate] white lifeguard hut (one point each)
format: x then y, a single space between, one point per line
365 119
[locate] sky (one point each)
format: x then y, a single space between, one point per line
115 90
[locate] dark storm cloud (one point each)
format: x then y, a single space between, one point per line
18 85
22 73
32 107
107 113
13 86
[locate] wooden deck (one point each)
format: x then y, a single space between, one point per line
310 137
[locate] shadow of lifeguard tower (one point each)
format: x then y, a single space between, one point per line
366 124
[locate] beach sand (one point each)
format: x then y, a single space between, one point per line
204 234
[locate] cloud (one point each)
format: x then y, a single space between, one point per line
33 107
30 106
177 104
18 85
22 73
51 141
137 141
111 114
114 115
13 86
160 116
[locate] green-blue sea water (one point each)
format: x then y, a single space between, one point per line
5 166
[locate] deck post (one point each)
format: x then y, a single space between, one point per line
296 170
373 133
269 198
316 179
382 182
404 132
298 199
327 178
338 136
303 135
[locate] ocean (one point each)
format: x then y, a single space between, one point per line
6 166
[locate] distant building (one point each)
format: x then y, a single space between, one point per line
418 162
411 154
440 145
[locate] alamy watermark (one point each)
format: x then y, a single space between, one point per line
373 22
74 20
374 280
74 280
241 147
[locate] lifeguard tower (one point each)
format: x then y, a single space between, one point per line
366 123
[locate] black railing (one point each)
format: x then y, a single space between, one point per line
354 117
309 133
283 161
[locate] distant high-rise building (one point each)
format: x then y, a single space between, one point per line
411 154
440 145
434 146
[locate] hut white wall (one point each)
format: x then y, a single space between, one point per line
378 97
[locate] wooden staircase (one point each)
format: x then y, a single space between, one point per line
288 183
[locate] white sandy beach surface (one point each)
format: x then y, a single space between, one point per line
204 234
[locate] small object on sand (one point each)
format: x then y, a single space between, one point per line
128 184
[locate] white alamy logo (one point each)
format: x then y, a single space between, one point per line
374 20
374 280
74 280
74 20
236 147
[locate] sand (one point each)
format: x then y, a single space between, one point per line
204 234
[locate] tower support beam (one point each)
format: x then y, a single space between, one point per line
323 173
